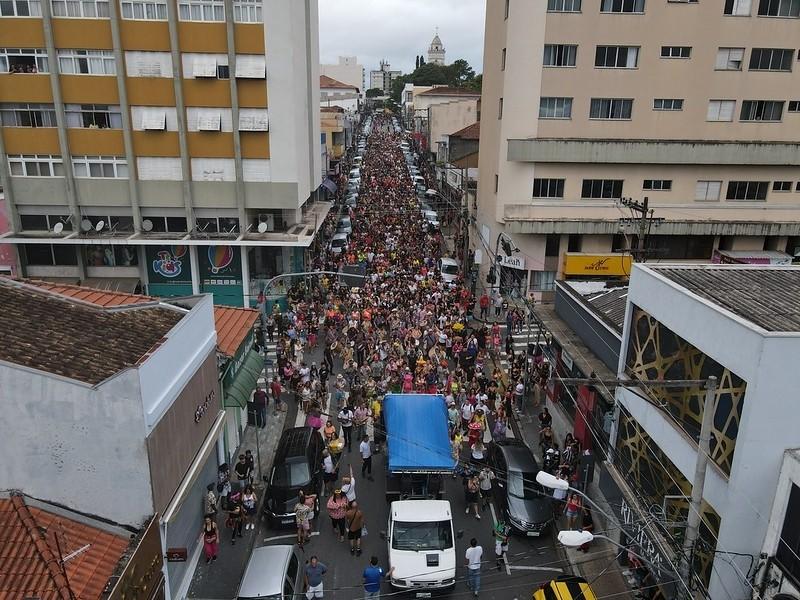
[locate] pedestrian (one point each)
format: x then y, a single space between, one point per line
211 501
497 299
234 520
484 304
260 405
501 534
249 503
210 538
485 478
337 508
360 415
314 572
275 389
472 558
373 575
366 457
355 527
472 491
242 470
328 471
349 486
587 525
271 327
250 460
572 509
303 513
346 421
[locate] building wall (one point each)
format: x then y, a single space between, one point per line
348 70
444 119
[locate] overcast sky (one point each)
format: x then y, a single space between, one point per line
398 30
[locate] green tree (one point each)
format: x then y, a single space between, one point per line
374 92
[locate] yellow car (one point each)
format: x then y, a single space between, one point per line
566 587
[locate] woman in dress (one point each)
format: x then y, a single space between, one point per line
210 538
337 507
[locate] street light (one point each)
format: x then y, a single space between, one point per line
572 538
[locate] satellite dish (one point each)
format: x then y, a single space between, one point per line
58 227
262 227
100 225
86 225
147 225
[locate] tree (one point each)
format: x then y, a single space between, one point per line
459 73
476 83
421 60
416 63
374 92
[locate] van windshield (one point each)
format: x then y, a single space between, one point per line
291 474
450 269
437 535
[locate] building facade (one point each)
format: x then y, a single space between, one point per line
693 105
172 146
348 70
382 77
436 51
447 117
337 93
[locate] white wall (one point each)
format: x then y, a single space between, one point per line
68 443
348 71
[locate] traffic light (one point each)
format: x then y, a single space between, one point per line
507 248
490 276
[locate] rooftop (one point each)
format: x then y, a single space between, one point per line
30 554
330 82
75 339
470 132
606 299
764 295
445 90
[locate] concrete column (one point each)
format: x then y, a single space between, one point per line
5 182
58 104
127 136
237 140
180 109
195 269
144 272
245 276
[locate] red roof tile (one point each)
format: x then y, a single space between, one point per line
95 296
330 82
233 327
470 132
30 539
444 90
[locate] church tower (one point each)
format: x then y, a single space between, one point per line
436 50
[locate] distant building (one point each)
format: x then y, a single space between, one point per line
383 77
436 51
347 70
446 117
333 92
422 100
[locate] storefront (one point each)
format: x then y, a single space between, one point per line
578 265
513 276
238 379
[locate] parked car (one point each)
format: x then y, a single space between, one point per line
431 220
344 225
450 269
351 201
355 173
339 242
522 502
357 161
297 466
566 587
272 573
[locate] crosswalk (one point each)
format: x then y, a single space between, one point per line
521 339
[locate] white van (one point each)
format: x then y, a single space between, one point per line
355 173
450 269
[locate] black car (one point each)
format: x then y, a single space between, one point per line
297 466
522 502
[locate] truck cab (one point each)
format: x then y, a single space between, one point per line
421 546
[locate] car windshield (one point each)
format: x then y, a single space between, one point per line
338 242
524 485
290 474
437 535
450 269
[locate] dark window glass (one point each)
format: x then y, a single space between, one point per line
33 222
64 255
176 224
789 543
39 254
552 244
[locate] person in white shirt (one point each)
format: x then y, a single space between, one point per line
349 486
485 478
365 450
467 411
329 474
472 558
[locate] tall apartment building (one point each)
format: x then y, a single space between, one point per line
694 105
172 143
382 77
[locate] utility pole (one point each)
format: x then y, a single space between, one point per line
644 223
703 450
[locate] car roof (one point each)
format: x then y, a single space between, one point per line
449 261
566 588
421 510
265 571
294 442
518 456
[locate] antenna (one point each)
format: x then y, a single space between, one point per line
249 227
58 227
99 226
147 225
86 225
262 227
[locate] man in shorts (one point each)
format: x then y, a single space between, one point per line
313 578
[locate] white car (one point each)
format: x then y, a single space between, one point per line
431 220
450 269
355 173
338 243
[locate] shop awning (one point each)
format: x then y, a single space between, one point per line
329 185
238 394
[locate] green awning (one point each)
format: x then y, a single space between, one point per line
238 393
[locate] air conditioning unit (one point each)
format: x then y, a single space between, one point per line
267 218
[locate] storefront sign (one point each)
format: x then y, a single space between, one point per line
221 273
168 264
203 407
597 264
513 262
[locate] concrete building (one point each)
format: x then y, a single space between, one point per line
348 70
336 93
462 146
382 77
169 146
446 118
122 404
337 129
436 51
687 322
693 105
437 94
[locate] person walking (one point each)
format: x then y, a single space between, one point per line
349 486
249 503
501 533
360 416
373 575
365 450
328 471
485 478
302 518
234 521
211 501
472 491
497 300
345 417
484 304
243 472
260 401
472 558
314 572
275 390
572 509
337 508
355 527
210 538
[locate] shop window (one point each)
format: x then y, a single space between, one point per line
552 244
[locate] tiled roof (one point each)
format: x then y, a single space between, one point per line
606 299
765 296
95 296
330 82
30 567
59 335
444 90
233 327
470 132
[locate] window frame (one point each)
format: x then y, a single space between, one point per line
779 3
70 6
657 185
552 6
213 6
77 55
600 185
54 162
785 57
728 50
622 3
781 186
47 115
758 108
751 188
562 51
709 184
595 102
39 56
663 107
616 49
736 4
793 106
681 54
34 8
113 113
241 7
546 185
566 107
116 164
725 102
132 4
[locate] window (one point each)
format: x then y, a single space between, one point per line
27 115
617 57
201 10
622 6
761 110
20 8
707 191
781 186
552 244
150 10
667 104
771 59
720 110
247 11
560 55
657 185
729 59
610 108
601 188
779 8
788 553
251 66
87 62
253 119
500 109
747 190
503 60
23 60
158 168
496 183
49 255
100 166
85 9
543 281
794 106
548 188
676 51
35 165
739 8
208 119
555 108
148 64
93 116
564 5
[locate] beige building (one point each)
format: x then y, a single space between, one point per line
382 77
347 70
424 97
447 117
693 105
